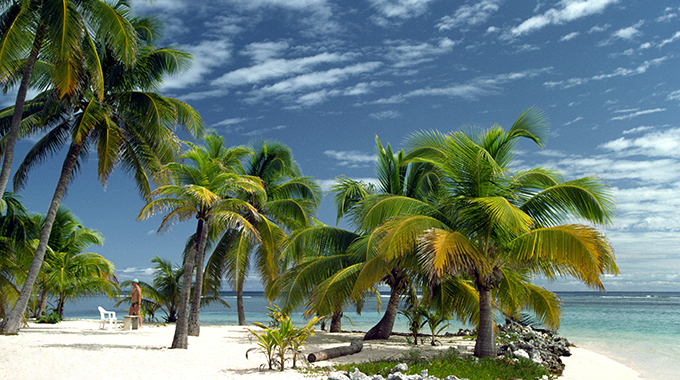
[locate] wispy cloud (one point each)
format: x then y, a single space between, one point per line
402 9
570 36
263 131
638 113
469 15
406 54
351 158
477 87
619 72
276 68
385 115
232 121
569 10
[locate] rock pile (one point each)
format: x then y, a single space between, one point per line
539 346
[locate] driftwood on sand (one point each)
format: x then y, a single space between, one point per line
330 353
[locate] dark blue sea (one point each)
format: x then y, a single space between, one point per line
638 329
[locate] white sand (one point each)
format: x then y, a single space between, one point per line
79 350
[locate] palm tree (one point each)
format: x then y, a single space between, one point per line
16 230
67 271
497 228
290 203
131 125
59 37
396 178
206 191
324 274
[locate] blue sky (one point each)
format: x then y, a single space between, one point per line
325 77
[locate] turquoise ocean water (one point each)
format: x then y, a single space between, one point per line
638 329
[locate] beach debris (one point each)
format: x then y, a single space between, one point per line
330 353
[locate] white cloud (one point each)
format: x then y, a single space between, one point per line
619 72
627 33
406 54
232 121
276 68
469 15
385 115
637 130
351 158
569 10
570 36
573 121
665 143
313 80
289 4
476 88
675 95
638 113
403 9
674 38
262 52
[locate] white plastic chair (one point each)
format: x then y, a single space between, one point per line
106 316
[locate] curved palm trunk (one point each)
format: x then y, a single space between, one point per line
194 325
336 322
485 346
13 133
383 329
11 324
239 304
181 337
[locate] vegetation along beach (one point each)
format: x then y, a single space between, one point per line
380 189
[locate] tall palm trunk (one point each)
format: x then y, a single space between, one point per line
485 345
13 134
336 322
383 329
10 325
181 338
239 303
194 325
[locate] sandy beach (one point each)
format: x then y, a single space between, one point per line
78 349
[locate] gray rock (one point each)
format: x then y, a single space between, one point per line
401 367
450 377
521 354
357 375
337 375
377 377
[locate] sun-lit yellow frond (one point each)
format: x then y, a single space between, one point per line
447 252
505 214
573 249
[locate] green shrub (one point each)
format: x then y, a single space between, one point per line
450 363
53 318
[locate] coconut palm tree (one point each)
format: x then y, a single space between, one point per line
16 231
204 190
130 125
290 203
324 273
67 271
496 228
396 178
58 39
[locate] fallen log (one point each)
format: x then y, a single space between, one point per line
330 353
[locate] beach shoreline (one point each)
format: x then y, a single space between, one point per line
78 349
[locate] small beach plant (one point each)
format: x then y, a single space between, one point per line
274 342
416 320
435 321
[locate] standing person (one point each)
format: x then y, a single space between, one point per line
136 299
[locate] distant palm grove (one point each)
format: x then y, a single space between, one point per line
449 217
